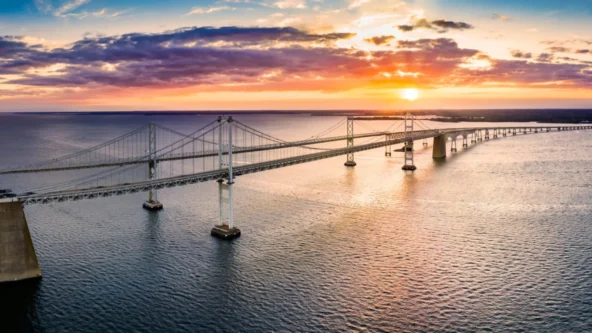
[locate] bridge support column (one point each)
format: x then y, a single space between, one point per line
453 144
350 142
505 132
465 144
495 131
514 132
486 134
439 150
425 142
152 204
18 260
473 139
387 149
225 228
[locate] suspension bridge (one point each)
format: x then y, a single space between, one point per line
155 157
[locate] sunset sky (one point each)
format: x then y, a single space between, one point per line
68 55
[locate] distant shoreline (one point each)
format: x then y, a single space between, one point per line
474 115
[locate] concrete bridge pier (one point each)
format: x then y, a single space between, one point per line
465 144
453 144
387 149
439 150
486 134
18 260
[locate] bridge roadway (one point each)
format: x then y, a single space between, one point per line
143 186
189 155
241 150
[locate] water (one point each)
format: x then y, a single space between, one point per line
495 238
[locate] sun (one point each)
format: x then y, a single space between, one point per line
410 94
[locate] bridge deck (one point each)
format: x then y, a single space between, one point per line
242 150
122 189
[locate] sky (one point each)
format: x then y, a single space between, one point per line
110 55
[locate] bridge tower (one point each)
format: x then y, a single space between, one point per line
225 228
152 204
350 142
408 148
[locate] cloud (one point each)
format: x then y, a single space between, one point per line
521 55
500 17
43 6
558 49
438 25
285 4
405 28
532 30
545 57
69 6
451 25
379 40
65 11
265 59
357 3
567 42
583 51
198 10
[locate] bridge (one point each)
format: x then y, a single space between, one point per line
155 157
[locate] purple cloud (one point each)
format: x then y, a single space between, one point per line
189 57
441 26
521 55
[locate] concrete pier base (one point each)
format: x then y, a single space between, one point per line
152 205
18 260
439 150
223 232
409 167
350 164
